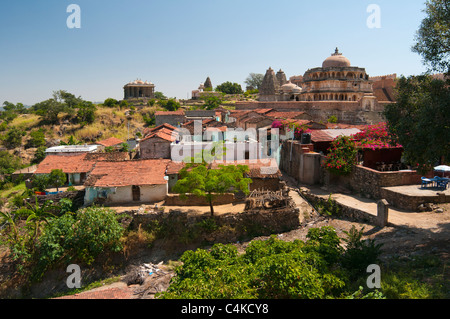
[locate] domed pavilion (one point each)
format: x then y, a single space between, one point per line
336 80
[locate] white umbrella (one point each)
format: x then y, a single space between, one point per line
442 168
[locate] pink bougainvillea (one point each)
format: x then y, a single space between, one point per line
375 137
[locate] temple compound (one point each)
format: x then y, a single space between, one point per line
139 89
335 89
336 80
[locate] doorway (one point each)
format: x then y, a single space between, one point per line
136 191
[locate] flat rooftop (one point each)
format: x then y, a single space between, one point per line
72 149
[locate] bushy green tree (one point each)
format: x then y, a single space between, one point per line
230 88
37 138
86 112
199 178
420 120
433 37
57 178
170 104
14 138
110 102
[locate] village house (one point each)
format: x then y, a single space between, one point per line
157 142
140 181
76 166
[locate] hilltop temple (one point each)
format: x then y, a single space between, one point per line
139 89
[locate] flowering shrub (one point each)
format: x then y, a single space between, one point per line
291 126
375 137
342 156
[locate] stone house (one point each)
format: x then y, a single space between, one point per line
173 118
141 181
157 144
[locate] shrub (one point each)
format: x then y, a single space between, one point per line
341 156
78 237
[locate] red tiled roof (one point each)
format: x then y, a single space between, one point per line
112 141
163 133
147 131
174 167
68 163
116 174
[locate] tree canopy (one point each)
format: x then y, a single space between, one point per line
230 88
254 80
433 37
199 178
421 120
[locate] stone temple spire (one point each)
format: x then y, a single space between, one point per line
269 87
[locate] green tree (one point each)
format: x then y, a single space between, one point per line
433 37
14 138
57 178
86 112
48 110
36 214
37 138
230 88
170 104
40 154
199 178
211 102
110 102
9 163
420 119
254 80
160 96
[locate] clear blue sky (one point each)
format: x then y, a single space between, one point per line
176 44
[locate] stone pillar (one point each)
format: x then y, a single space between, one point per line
382 212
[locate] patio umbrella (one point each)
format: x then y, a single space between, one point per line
442 168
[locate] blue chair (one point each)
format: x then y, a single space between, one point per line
426 182
442 182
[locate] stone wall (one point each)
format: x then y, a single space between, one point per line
340 210
298 161
155 148
224 228
412 203
369 182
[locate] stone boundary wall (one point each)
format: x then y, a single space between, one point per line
341 210
192 200
368 181
227 228
412 203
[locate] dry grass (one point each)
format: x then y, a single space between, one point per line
26 121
